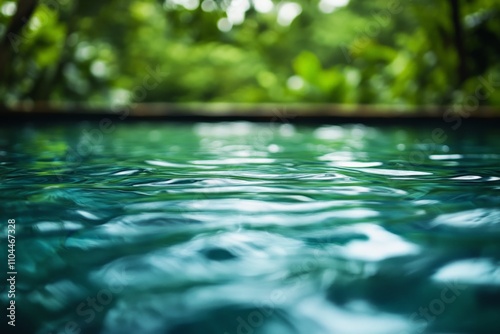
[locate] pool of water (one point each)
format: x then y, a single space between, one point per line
252 228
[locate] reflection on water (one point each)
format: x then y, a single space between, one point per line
252 228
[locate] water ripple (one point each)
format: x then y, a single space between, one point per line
253 228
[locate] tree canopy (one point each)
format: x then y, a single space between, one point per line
397 52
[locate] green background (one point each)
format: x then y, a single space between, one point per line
396 52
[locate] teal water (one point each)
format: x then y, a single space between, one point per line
252 228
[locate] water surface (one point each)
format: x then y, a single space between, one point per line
253 228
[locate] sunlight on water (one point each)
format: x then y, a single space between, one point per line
252 228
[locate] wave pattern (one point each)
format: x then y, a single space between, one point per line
253 228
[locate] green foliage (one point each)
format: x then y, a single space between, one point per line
381 52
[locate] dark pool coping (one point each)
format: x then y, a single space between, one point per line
274 113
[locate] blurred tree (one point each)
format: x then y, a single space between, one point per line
101 52
11 38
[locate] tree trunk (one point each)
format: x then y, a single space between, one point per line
25 9
459 41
